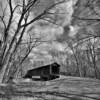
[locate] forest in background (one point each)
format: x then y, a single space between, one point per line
37 32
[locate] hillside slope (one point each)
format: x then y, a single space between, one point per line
65 88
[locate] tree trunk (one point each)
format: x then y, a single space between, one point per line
5 68
3 71
7 73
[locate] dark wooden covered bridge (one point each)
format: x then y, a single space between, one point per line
47 72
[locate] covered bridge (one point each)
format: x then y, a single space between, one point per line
47 72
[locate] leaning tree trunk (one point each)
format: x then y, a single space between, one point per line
6 65
3 71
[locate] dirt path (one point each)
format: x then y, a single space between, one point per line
65 88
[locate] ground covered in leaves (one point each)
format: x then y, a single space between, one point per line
64 88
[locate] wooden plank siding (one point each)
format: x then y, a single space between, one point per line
46 72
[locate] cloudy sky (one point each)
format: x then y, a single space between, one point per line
55 34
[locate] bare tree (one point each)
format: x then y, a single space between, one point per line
87 16
12 36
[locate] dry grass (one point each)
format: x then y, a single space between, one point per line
64 88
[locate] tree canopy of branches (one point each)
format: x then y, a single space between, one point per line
85 43
16 18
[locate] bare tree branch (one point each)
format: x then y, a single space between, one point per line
43 13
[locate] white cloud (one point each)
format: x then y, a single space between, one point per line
58 46
51 31
73 30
